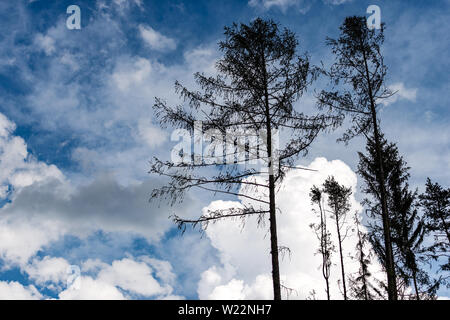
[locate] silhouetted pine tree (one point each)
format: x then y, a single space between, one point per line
435 203
358 83
338 201
360 286
407 228
326 248
260 78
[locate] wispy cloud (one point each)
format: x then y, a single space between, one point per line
156 40
400 92
302 6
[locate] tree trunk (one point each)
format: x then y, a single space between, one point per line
328 289
364 271
341 254
274 239
272 207
324 248
415 285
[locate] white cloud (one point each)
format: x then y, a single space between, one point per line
201 59
245 267
46 43
20 240
425 147
21 237
401 93
260 289
156 40
133 276
337 2
13 290
48 271
18 169
302 5
132 75
122 98
70 60
283 5
163 269
91 289
125 3
45 205
126 278
123 279
151 135
43 209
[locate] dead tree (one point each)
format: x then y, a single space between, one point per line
326 248
338 201
260 78
357 78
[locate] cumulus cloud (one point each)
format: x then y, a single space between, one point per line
114 117
48 272
245 270
132 276
13 290
40 214
132 75
18 168
21 237
116 112
156 40
401 93
45 205
103 204
127 278
122 279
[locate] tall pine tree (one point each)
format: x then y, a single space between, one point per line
357 80
407 228
435 202
360 285
260 78
326 247
338 201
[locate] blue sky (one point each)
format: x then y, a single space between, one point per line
77 131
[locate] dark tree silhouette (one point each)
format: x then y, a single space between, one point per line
360 285
260 77
326 248
338 201
357 78
435 203
407 227
408 236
